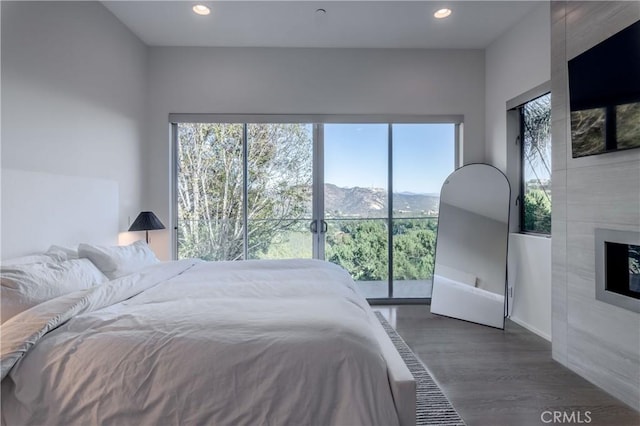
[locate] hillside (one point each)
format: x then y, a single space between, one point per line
372 202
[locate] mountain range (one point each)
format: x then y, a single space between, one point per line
372 202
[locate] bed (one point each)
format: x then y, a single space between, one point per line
192 342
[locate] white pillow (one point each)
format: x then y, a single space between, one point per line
63 253
118 261
27 260
25 286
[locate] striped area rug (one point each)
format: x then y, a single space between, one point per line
432 407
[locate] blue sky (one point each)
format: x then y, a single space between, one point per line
356 155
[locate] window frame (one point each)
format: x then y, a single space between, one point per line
318 122
516 172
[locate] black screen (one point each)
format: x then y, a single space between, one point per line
604 89
608 73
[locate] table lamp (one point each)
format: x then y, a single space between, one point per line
146 221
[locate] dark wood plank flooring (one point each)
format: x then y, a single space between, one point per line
501 378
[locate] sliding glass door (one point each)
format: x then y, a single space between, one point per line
363 196
356 203
423 157
381 198
243 191
279 190
209 191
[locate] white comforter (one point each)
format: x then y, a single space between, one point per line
232 343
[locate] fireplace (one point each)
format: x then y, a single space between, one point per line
618 268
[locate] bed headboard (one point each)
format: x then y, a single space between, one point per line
41 209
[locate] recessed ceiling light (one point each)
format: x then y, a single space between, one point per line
442 13
201 9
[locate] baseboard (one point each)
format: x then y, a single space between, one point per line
532 329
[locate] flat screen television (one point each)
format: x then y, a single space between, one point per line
604 92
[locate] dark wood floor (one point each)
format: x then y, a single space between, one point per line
501 378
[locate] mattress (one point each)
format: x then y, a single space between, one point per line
191 342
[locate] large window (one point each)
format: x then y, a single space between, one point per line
243 190
364 196
535 137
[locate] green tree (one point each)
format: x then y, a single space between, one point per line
414 250
360 246
537 211
211 181
537 164
537 135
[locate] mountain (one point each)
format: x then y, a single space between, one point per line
372 202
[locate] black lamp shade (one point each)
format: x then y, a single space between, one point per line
146 221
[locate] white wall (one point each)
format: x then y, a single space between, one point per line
306 81
530 277
73 95
516 62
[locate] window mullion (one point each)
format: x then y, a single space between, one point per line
522 168
245 191
390 209
318 188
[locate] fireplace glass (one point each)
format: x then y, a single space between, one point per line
618 268
622 264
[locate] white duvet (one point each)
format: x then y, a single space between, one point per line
229 343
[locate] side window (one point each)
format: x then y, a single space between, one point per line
535 193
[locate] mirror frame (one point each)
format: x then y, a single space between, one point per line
508 219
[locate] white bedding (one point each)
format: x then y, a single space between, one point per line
226 343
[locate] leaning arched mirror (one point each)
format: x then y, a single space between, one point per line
469 279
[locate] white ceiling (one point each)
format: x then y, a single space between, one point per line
359 24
